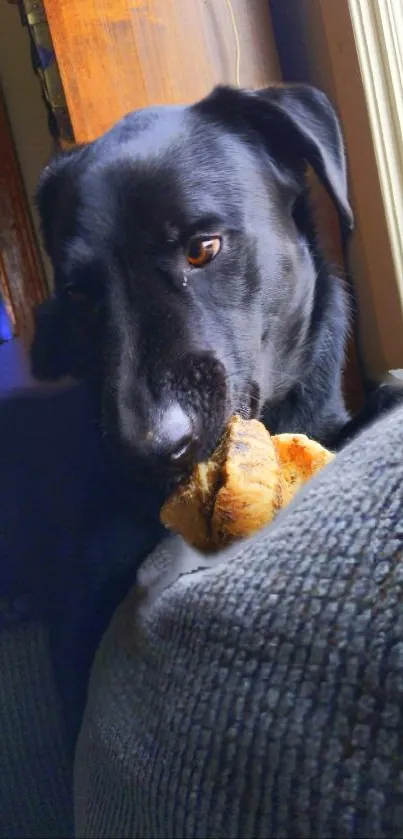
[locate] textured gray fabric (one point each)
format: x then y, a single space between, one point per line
262 696
36 796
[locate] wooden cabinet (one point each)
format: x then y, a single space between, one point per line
22 283
118 55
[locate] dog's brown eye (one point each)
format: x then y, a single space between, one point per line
202 251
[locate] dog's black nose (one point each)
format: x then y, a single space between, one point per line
175 439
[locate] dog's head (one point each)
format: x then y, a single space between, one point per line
184 285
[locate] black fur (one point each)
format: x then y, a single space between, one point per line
260 330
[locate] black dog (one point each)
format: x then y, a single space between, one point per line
188 286
188 281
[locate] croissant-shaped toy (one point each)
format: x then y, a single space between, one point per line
249 478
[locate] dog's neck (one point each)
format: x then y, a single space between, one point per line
315 405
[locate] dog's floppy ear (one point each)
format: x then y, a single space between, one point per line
299 125
55 198
49 353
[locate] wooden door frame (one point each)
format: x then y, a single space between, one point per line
22 280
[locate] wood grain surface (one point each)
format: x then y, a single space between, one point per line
118 55
22 282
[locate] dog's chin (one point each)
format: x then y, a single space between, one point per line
137 473
160 476
155 473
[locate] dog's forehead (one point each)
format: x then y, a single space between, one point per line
156 139
167 166
146 131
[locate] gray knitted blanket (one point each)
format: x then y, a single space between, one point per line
35 773
261 696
